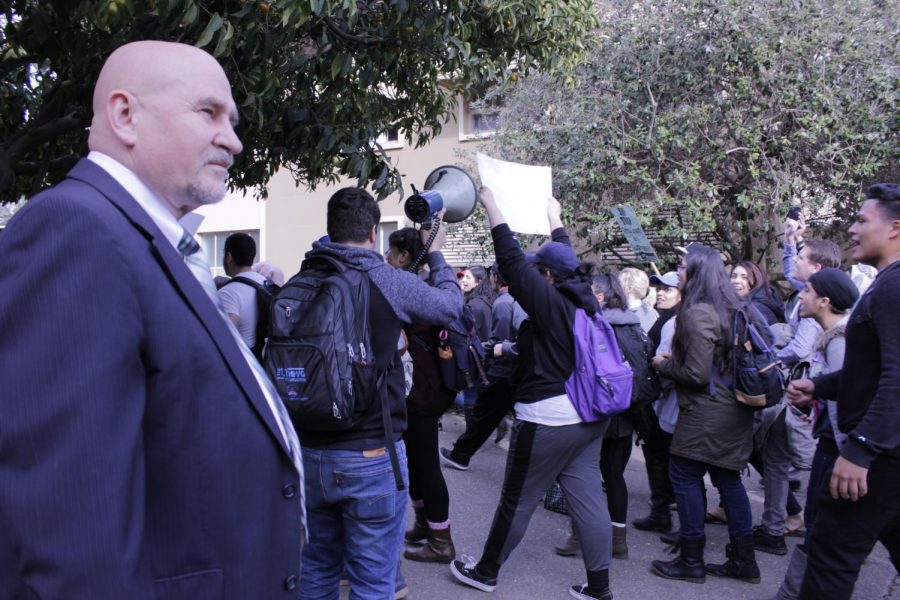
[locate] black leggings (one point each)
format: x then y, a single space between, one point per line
426 480
613 458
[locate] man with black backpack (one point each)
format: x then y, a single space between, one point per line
333 355
247 296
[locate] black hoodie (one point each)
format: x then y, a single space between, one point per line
768 303
546 343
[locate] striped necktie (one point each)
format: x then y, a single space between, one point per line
196 261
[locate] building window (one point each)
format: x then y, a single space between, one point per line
213 243
383 234
483 123
478 120
390 139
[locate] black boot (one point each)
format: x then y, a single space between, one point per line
741 563
419 531
670 538
689 564
654 522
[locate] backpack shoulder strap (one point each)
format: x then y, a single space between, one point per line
247 281
388 423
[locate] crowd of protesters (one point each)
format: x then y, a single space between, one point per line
145 451
843 429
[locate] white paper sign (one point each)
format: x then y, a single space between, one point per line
521 192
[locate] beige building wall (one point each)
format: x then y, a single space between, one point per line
295 217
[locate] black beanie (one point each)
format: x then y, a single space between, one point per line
835 285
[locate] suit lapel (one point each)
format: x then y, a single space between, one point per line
186 284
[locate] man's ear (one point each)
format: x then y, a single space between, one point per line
372 234
895 229
121 113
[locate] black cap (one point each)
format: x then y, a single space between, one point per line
837 286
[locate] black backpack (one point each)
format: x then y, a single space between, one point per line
319 351
460 352
265 297
756 377
637 352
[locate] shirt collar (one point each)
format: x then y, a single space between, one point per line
147 200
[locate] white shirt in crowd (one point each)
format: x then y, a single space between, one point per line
239 300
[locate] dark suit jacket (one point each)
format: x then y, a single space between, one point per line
138 457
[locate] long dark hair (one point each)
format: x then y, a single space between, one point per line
483 290
706 282
406 240
613 293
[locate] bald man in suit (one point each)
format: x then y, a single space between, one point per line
141 454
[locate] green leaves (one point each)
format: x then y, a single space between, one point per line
214 25
714 117
316 80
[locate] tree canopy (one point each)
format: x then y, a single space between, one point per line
316 81
714 116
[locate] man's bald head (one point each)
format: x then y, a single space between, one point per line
165 111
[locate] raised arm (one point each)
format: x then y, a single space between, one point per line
530 289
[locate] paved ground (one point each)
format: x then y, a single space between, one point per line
534 572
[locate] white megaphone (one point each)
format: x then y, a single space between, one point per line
446 187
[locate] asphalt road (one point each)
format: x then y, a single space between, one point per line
534 572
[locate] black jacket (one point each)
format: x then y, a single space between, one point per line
655 332
869 396
546 343
622 425
768 303
481 310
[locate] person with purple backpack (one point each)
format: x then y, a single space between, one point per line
549 440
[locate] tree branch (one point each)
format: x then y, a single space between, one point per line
339 28
43 133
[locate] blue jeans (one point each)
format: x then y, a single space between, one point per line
356 517
687 481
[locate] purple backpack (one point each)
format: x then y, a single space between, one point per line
601 382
